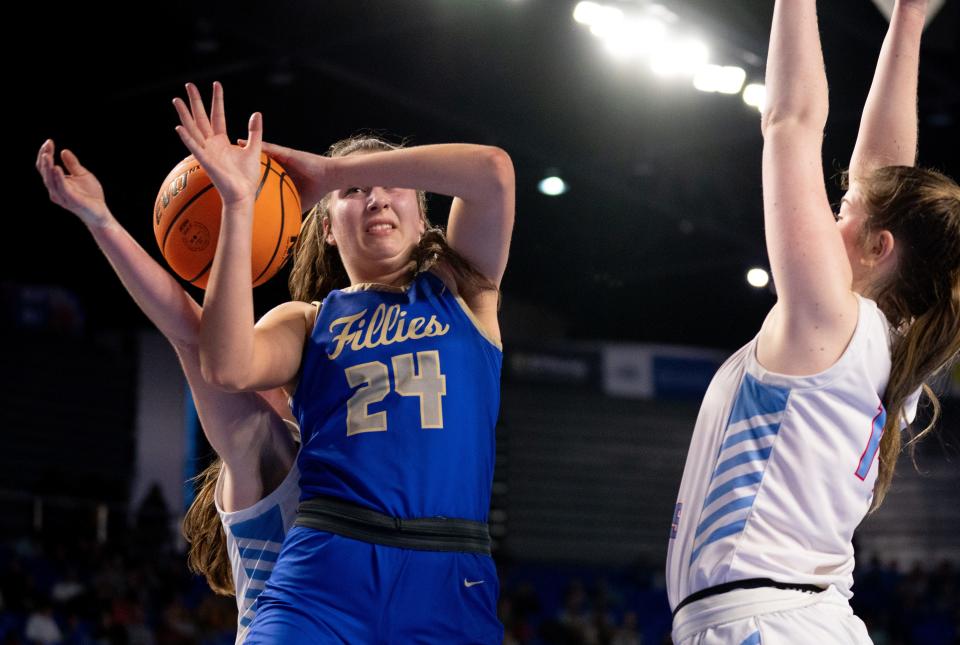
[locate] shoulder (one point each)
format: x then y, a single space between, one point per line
863 350
806 340
481 307
294 314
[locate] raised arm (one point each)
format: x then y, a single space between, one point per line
243 429
816 313
235 355
155 291
479 178
888 128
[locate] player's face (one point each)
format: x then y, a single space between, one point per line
374 227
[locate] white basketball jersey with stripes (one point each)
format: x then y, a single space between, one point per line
781 469
254 537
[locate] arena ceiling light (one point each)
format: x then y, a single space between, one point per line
633 38
552 186
758 278
680 58
716 78
755 95
601 18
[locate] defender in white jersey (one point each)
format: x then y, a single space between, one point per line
799 431
254 537
254 477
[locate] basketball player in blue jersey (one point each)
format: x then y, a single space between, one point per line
248 496
799 431
394 379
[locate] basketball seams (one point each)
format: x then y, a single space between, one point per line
177 250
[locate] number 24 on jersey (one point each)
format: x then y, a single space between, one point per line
373 379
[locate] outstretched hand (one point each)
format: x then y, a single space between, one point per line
310 172
234 170
76 190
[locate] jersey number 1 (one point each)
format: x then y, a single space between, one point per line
373 380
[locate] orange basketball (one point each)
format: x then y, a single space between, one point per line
186 221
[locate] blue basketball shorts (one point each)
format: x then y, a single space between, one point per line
326 588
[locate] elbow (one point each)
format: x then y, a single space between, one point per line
499 168
223 379
807 118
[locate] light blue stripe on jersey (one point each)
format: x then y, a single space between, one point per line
269 552
266 527
258 541
752 639
259 574
750 434
722 532
735 505
742 458
754 422
731 484
756 398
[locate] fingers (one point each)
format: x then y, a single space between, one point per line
53 177
195 147
198 111
255 132
46 148
277 152
187 123
45 165
71 162
217 115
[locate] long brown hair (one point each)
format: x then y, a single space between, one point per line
317 268
921 298
203 530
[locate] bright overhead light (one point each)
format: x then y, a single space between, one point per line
758 278
601 18
552 186
714 78
632 38
682 58
585 12
755 95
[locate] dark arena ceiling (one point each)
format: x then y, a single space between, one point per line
663 214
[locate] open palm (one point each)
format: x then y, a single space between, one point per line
234 170
77 189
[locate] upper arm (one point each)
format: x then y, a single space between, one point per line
480 227
245 431
816 311
278 341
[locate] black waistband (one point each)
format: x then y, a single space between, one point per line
747 583
422 534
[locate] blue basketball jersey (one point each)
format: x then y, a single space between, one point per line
398 400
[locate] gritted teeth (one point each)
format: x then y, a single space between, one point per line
383 226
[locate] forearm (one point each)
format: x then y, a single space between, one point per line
155 291
471 172
233 423
888 128
227 325
795 79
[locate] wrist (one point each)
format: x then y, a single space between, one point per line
100 220
241 206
